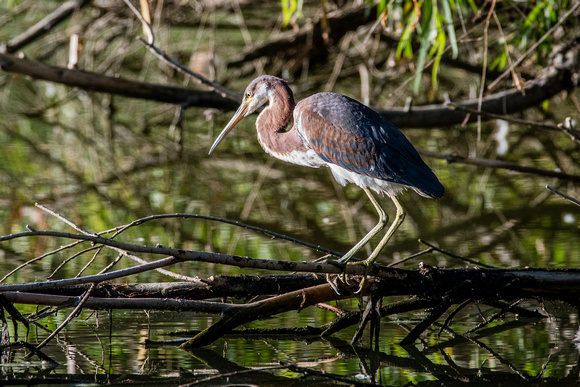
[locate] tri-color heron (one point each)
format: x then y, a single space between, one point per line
358 145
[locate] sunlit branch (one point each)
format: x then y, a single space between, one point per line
487 163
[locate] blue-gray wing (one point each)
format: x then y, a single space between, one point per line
345 132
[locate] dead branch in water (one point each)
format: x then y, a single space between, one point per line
431 288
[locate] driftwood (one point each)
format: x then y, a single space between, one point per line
431 288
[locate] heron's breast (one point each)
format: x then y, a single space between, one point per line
287 146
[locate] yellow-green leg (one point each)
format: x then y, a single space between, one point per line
383 219
399 218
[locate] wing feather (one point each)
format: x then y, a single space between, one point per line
344 132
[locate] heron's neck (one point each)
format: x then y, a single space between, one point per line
272 126
278 114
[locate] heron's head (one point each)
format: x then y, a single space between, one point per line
257 93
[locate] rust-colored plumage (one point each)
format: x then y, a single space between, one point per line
355 142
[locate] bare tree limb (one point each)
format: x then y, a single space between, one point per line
565 127
551 82
115 85
487 163
44 26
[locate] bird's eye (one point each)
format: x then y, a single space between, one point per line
248 94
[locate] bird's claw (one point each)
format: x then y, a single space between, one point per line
368 269
344 277
342 266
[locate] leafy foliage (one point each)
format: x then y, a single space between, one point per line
428 28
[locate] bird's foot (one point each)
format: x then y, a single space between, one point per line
368 269
344 277
342 265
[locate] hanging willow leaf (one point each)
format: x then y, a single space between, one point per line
437 51
405 44
289 9
448 21
426 30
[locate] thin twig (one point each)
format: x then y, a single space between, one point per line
455 256
484 70
412 256
89 279
69 318
149 43
573 133
233 223
494 317
51 364
44 26
71 258
146 25
122 252
39 258
452 314
569 198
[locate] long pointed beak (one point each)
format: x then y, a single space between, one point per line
240 113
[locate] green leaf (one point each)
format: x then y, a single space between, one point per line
499 62
440 49
405 42
423 50
448 21
289 9
546 104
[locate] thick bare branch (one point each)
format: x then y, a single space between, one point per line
114 85
551 82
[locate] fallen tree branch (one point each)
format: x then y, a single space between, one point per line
296 300
435 288
239 286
